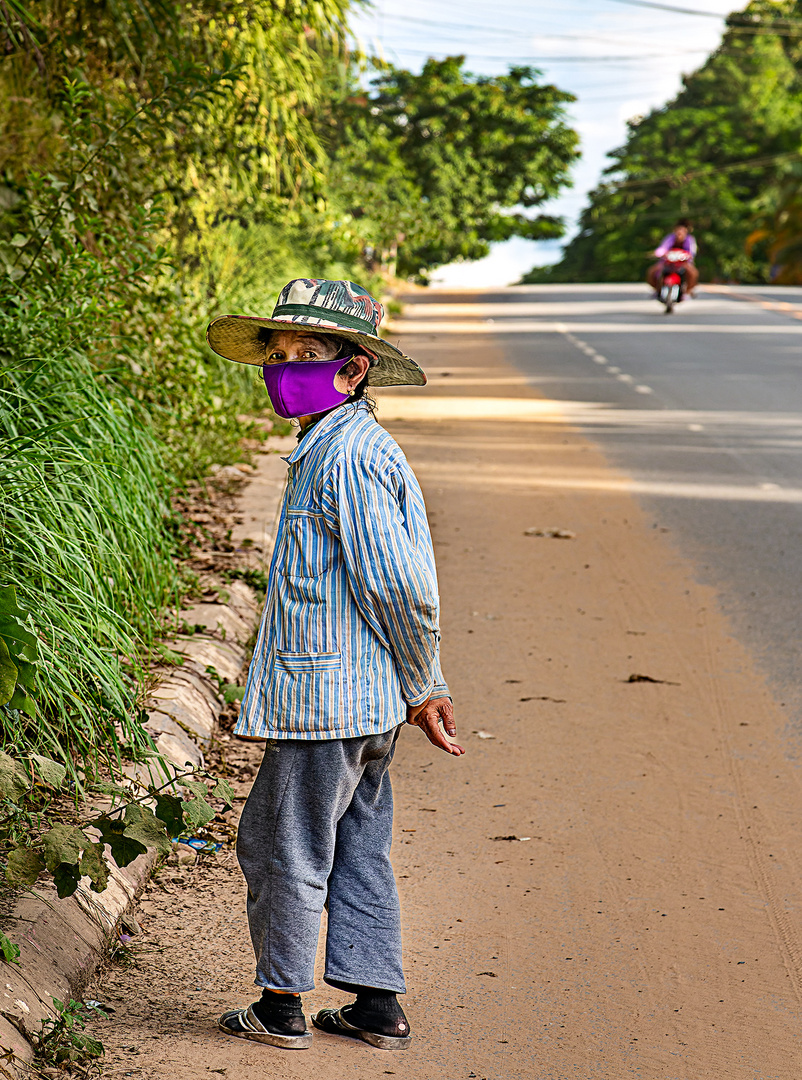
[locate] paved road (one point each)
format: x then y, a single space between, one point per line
702 410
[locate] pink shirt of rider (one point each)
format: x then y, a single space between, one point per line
670 241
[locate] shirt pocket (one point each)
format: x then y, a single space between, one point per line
310 545
307 616
307 662
306 689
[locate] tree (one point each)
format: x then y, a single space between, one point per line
710 155
435 166
778 228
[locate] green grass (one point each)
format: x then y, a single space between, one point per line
84 536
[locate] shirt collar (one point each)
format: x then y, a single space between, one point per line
325 427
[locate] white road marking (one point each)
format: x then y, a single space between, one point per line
599 359
534 326
639 305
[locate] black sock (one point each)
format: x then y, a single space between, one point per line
377 1011
281 1014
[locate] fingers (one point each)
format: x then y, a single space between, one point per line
437 738
446 712
429 716
430 723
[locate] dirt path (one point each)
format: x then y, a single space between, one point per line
645 922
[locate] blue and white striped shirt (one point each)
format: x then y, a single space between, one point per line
350 630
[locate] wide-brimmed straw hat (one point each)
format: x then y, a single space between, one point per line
326 307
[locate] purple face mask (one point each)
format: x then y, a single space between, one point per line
303 387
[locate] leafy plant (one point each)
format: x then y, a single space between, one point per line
161 162
252 576
18 655
63 1043
8 950
777 234
147 816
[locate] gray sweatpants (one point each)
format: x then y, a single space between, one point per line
317 829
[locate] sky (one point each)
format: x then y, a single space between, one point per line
619 59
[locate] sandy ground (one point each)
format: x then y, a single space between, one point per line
607 884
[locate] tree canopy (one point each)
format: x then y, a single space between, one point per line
722 153
438 165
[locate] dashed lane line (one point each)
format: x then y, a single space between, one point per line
597 358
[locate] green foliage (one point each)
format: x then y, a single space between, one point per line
62 1041
93 865
197 811
46 771
142 825
18 655
712 154
24 866
170 810
433 167
62 847
14 780
223 790
8 950
134 823
256 578
92 440
778 226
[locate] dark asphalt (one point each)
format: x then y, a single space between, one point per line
702 409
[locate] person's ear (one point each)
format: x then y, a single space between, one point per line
353 373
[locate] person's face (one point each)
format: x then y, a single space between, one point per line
680 233
286 345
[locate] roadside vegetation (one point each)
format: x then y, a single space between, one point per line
161 163
724 153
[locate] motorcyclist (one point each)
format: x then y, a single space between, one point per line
681 237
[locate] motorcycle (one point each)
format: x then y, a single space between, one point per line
672 277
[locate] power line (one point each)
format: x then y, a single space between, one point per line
767 24
671 7
528 59
509 58
779 27
493 31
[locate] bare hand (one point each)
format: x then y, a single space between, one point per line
429 715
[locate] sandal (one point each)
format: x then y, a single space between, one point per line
245 1024
333 1022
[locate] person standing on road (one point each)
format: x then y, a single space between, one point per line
347 651
681 237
